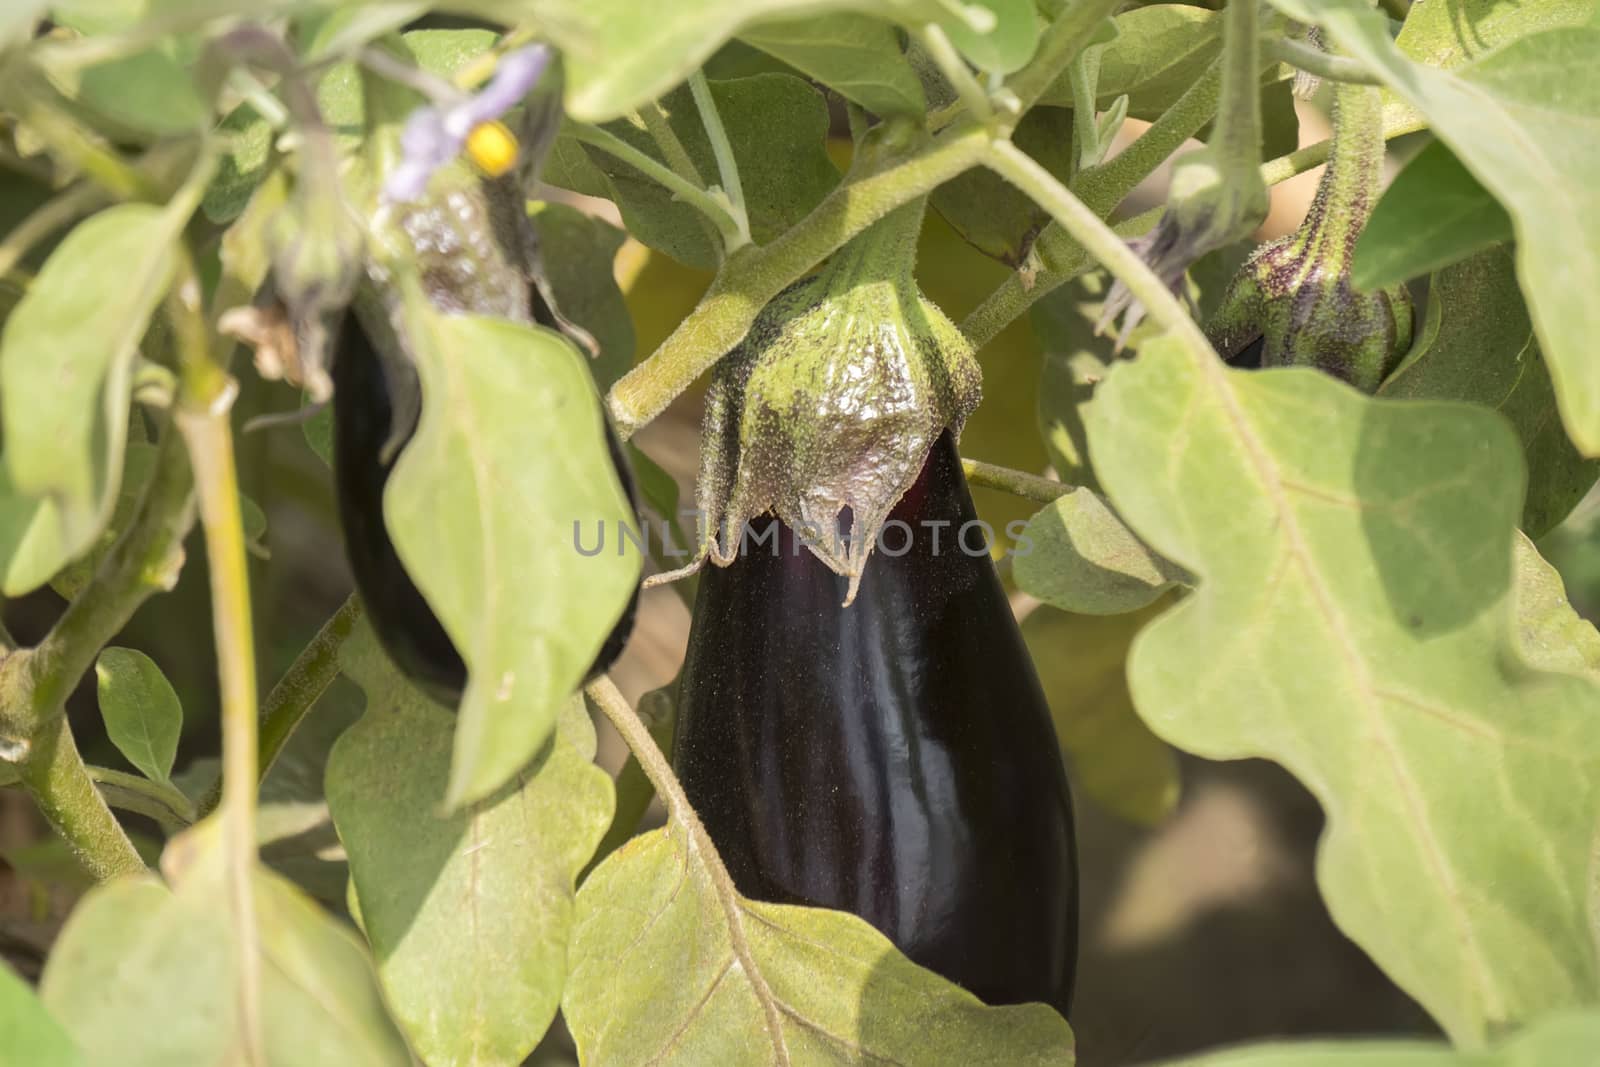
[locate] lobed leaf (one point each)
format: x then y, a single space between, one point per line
468 913
1354 621
510 456
665 968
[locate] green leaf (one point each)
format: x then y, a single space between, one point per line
32 1037
135 952
469 914
1077 555
1434 214
989 212
1556 1040
1160 50
1477 344
668 965
143 717
1115 758
778 126
509 456
148 92
1002 48
1525 119
856 56
1448 33
247 140
66 362
578 251
1551 635
1353 621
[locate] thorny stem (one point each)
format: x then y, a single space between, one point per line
1350 186
722 149
1238 130
605 695
654 119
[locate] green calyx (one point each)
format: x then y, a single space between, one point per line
1295 293
833 401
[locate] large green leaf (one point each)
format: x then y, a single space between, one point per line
144 974
1355 621
509 459
1477 344
1448 33
1550 633
989 212
141 710
1159 52
669 965
32 1038
1116 760
66 363
1525 119
468 913
778 126
1565 1040
857 56
616 60
1433 214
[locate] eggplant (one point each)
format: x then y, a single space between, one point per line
894 758
363 456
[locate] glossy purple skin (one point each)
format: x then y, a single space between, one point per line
895 758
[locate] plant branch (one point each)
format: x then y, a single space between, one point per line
755 275
956 72
54 774
1017 483
138 794
605 695
202 417
301 686
1314 60
722 149
702 201
1098 239
1058 45
654 118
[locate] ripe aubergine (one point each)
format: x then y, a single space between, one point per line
894 758
363 456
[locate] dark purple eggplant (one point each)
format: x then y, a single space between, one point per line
363 414
894 758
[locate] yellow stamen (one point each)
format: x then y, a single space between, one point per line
492 147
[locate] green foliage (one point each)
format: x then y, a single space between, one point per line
31 1036
669 962
1477 344
467 913
1082 558
141 710
856 56
1160 50
482 507
1525 119
577 251
1332 630
777 125
66 365
1434 214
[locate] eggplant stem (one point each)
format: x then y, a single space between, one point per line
1017 483
636 735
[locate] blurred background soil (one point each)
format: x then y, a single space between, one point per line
1204 930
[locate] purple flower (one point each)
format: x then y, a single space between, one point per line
435 134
